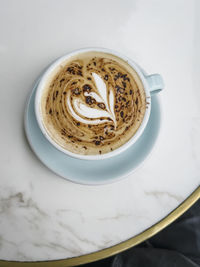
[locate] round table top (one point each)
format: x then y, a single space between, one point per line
44 217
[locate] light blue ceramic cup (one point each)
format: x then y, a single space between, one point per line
152 85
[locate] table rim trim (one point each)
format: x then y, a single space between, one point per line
110 251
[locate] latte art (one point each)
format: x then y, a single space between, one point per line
93 104
93 113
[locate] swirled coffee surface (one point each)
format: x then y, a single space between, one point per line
93 103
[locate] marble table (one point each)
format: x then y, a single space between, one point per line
44 217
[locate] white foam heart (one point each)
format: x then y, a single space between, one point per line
82 113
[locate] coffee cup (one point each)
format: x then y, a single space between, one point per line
150 84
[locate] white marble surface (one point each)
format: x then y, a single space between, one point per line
44 217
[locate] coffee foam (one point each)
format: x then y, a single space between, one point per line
93 104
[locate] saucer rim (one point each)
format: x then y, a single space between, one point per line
81 182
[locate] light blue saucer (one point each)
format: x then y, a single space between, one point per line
95 172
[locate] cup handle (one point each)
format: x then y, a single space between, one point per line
155 82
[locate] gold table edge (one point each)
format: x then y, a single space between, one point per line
107 252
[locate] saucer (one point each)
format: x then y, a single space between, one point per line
95 172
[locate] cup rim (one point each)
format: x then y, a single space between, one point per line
45 77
